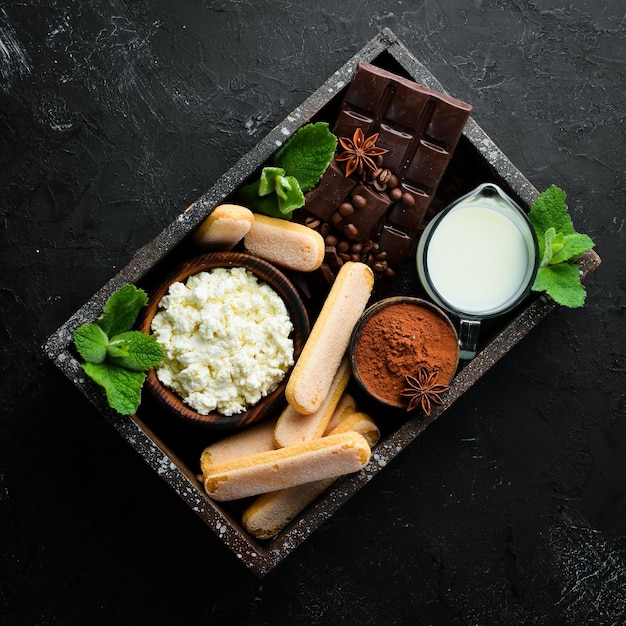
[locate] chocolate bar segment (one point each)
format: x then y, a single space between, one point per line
363 222
334 187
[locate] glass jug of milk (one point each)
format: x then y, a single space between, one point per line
478 259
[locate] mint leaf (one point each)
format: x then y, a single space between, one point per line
550 211
269 180
122 387
307 153
135 351
574 246
284 185
562 283
552 244
91 342
249 197
290 196
560 247
121 310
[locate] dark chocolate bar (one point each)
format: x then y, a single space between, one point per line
419 128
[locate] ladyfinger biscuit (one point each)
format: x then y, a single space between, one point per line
271 512
224 228
288 244
257 438
326 346
345 406
322 458
293 427
361 423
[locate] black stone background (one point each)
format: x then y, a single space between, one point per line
114 116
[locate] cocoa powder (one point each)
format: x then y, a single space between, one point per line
398 339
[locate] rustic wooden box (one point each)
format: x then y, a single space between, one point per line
172 451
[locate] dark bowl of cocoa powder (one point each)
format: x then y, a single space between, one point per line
404 344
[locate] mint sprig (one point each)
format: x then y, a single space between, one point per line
288 191
560 246
297 167
115 356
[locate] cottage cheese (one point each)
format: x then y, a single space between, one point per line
226 340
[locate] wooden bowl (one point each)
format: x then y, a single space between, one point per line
382 354
266 273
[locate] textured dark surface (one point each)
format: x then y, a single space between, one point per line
113 118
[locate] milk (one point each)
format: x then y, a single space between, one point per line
478 259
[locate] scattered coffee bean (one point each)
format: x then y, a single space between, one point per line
358 201
351 231
345 209
408 199
336 218
395 193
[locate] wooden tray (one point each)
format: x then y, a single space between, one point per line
172 451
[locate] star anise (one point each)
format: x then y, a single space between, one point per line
423 389
359 152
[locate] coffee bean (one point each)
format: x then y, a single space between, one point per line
331 240
395 193
345 209
408 199
336 218
358 201
351 231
